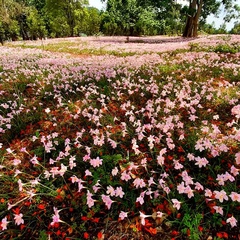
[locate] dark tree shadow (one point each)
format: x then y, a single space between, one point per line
148 40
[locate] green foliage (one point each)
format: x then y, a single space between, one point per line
32 19
88 21
236 28
219 48
36 24
190 225
43 235
36 19
148 23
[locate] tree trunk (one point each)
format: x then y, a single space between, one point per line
191 27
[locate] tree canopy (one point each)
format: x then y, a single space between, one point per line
173 14
32 19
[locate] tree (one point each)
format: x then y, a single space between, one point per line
236 28
195 13
10 10
198 10
130 17
121 17
62 15
35 23
88 21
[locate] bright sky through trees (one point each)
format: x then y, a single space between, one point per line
96 3
217 21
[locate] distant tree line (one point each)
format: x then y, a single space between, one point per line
33 19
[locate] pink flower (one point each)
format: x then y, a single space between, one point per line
56 216
237 157
110 191
193 118
220 178
222 195
16 162
159 214
62 170
208 193
18 219
140 200
74 179
218 209
34 160
115 171
20 185
47 110
96 187
135 146
119 192
236 111
189 191
123 215
107 200
88 173
181 188
233 221
228 176
143 216
125 176
54 171
199 146
234 171
186 178
201 162
151 140
160 158
86 157
17 172
150 181
177 165
176 204
235 196
4 223
198 186
96 162
90 200
139 183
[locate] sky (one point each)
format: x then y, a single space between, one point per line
96 3
217 21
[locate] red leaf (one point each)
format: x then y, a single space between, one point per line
28 203
152 231
200 228
22 227
41 206
225 235
100 235
174 233
147 223
84 218
85 235
219 235
95 220
16 210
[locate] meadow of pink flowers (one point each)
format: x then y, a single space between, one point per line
152 136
